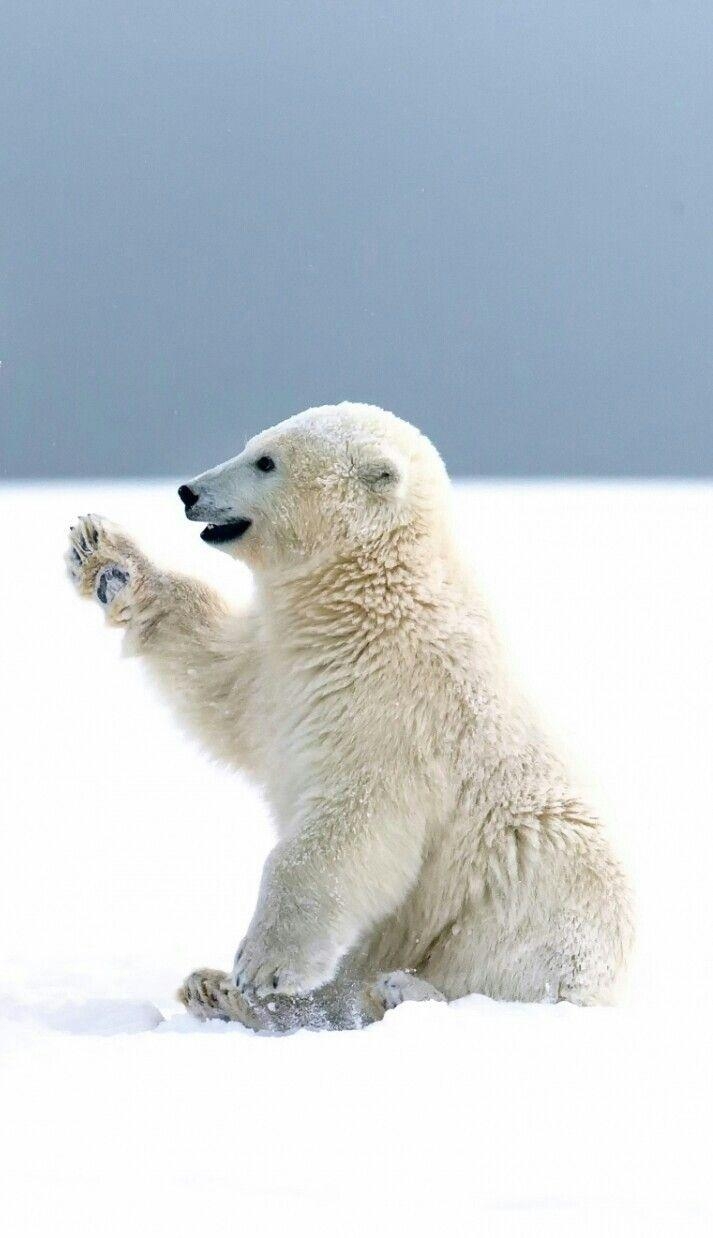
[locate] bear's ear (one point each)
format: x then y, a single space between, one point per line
381 471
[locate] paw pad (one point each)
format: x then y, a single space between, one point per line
110 581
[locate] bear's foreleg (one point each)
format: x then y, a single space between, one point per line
345 866
203 658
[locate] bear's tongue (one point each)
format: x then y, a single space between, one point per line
216 533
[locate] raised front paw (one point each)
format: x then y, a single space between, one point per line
265 965
99 563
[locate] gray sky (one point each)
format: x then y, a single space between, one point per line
492 217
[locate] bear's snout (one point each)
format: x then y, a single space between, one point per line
187 496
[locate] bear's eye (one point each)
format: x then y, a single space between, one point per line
265 464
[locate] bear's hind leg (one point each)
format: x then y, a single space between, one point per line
210 994
393 988
345 1003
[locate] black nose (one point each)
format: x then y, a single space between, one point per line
187 496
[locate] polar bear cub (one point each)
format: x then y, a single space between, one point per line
430 841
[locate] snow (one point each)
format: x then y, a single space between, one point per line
128 860
99 1017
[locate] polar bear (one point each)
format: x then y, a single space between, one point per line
431 842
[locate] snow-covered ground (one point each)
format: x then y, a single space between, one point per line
127 860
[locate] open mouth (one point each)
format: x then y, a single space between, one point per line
216 534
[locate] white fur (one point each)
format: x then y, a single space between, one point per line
426 824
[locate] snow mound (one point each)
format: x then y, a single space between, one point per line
104 1018
95 1017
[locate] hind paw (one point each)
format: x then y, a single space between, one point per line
396 987
211 994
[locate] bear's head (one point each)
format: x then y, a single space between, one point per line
325 482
